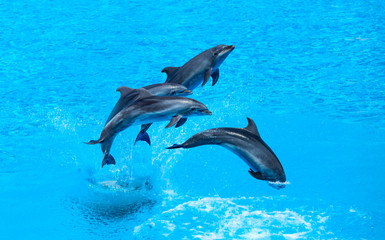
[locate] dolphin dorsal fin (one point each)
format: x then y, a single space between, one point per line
143 93
251 127
170 71
124 91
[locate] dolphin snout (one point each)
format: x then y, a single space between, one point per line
227 50
207 112
187 92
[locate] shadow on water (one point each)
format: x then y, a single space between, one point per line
107 202
100 212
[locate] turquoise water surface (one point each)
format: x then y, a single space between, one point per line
310 74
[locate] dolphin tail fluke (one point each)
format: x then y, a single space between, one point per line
108 159
176 146
143 136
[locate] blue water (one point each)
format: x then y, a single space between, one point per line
311 75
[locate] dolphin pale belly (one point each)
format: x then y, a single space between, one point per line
147 110
199 69
247 144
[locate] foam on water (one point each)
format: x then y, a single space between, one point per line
241 218
279 185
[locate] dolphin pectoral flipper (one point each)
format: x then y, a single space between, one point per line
108 159
143 135
257 175
92 142
170 71
181 122
175 146
215 76
174 120
207 76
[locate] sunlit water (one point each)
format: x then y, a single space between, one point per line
310 74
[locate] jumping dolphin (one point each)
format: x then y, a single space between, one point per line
191 74
199 69
247 144
130 95
149 109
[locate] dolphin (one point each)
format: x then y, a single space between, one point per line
247 144
129 96
147 110
168 89
199 69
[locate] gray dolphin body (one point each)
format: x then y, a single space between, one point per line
199 69
168 89
247 144
147 110
129 96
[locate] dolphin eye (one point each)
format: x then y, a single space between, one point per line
215 53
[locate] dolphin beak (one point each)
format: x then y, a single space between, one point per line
187 92
227 50
207 112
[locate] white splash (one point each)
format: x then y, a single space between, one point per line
229 218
